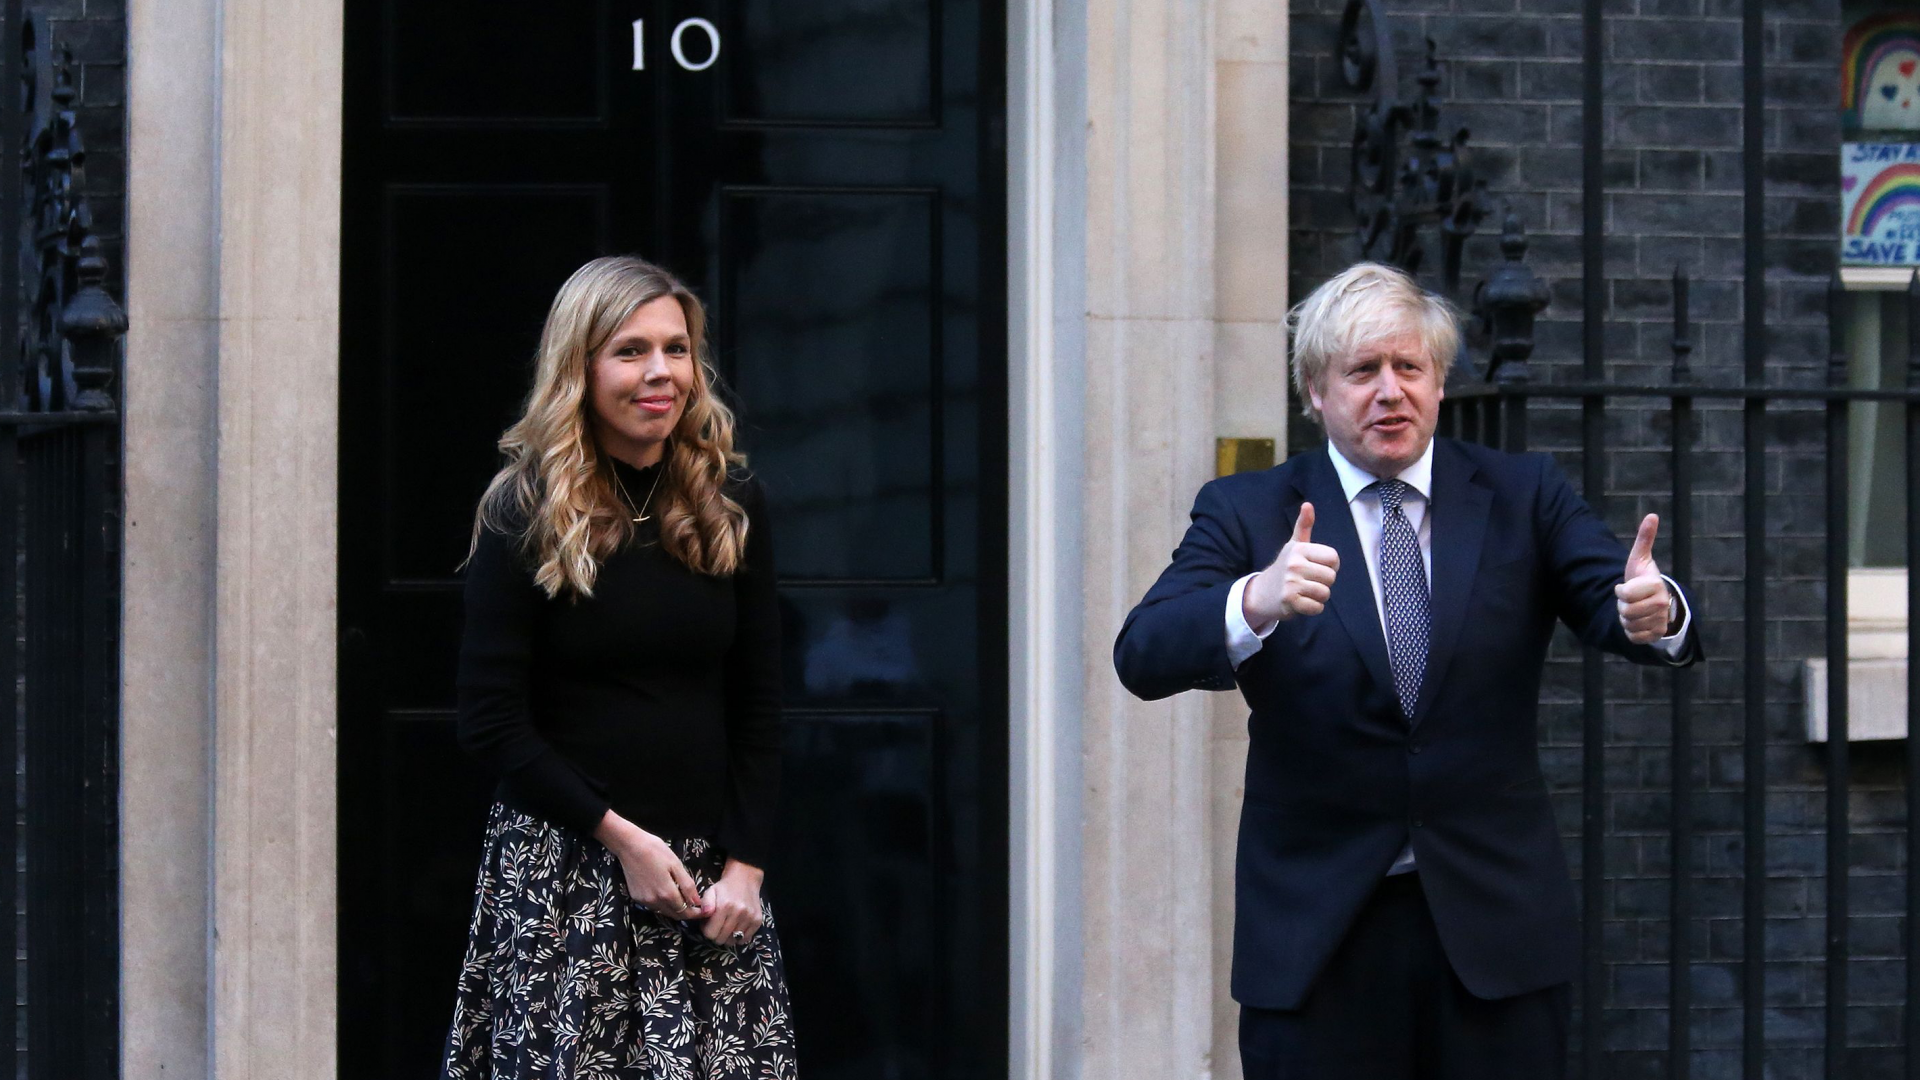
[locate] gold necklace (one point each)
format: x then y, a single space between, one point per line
642 514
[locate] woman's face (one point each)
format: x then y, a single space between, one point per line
639 381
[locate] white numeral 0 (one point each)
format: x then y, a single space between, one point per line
713 39
679 54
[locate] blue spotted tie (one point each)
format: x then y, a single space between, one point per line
1403 586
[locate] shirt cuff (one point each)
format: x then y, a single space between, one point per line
1675 642
1242 640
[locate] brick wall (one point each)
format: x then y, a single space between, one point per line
1674 175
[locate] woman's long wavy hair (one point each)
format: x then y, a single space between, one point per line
556 491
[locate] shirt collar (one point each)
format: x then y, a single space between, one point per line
1354 479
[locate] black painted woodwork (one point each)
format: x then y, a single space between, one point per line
833 186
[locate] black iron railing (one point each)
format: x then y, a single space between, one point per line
60 523
1410 177
1496 412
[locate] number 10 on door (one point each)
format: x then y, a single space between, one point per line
678 44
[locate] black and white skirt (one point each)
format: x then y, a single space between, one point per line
566 979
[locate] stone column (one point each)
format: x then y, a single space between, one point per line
274 603
1250 374
1185 241
232 391
167 619
1149 391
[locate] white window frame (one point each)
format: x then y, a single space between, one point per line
1876 596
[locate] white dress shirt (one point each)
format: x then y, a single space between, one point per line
1364 504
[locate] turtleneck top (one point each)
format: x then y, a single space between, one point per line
657 697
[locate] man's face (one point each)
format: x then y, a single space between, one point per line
1380 404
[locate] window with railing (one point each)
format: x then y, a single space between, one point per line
1879 252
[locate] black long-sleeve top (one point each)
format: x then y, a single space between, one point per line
659 697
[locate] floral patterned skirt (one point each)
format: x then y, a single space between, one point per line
566 979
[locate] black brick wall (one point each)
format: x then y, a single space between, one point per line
1674 181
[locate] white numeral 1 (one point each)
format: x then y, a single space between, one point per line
639 45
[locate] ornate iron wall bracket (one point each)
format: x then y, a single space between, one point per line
70 351
1406 178
1398 193
1504 305
91 327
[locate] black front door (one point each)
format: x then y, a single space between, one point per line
831 180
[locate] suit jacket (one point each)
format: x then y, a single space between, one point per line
1337 779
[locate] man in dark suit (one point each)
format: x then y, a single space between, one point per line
1402 902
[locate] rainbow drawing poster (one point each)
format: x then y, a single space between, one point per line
1880 204
1880 72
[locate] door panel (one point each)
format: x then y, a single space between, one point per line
868 1009
448 340
816 62
489 61
832 185
847 445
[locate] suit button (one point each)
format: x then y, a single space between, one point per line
1417 823
1414 748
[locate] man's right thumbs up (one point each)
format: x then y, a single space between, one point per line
1299 581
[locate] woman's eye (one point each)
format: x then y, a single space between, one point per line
677 350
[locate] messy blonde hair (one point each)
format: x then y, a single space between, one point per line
556 491
1363 304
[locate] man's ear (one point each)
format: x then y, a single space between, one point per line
1313 395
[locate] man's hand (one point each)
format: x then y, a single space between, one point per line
1646 606
1299 581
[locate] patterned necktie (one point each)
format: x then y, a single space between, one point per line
1403 587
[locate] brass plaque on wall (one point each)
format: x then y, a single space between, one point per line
1242 455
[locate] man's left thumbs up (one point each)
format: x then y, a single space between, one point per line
1646 605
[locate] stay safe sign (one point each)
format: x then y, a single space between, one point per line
1880 204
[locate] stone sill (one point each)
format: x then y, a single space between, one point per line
1875 278
1876 699
1876 660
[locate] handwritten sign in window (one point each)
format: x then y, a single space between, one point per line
1880 204
677 44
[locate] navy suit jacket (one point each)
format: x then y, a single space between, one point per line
1337 779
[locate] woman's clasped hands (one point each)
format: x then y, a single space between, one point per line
658 881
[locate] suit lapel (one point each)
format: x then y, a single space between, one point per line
1459 508
1352 599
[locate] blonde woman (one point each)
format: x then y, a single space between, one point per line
620 674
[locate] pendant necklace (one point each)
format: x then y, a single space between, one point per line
640 515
